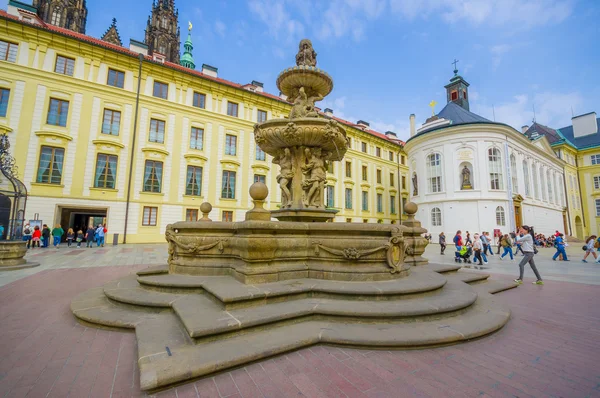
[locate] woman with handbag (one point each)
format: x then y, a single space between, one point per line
526 241
589 248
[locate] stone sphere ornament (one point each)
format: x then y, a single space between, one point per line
411 208
259 191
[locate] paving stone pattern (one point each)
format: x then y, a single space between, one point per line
549 349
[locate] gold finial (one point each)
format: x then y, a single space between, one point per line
432 104
189 26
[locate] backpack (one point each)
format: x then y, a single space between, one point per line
27 231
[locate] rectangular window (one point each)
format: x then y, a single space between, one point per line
392 204
403 205
365 173
64 65
330 167
260 154
193 185
363 146
116 78
330 196
191 214
150 214
199 100
153 176
261 116
161 90
365 200
4 95
350 142
348 198
157 131
260 178
403 182
392 179
597 207
348 220
106 171
50 165
58 112
378 152
379 203
232 109
349 169
8 51
402 159
227 216
596 182
230 144
595 159
228 185
196 138
378 174
391 155
111 122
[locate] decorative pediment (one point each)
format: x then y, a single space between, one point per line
195 157
155 152
112 34
54 136
261 167
5 129
518 198
108 143
230 162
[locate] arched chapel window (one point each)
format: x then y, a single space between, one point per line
55 17
436 217
434 172
495 167
513 173
500 218
526 175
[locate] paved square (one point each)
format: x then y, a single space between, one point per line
549 349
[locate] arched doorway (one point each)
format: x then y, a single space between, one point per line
5 206
578 227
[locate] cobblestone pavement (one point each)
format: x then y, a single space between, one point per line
548 349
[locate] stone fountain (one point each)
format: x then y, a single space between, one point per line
236 292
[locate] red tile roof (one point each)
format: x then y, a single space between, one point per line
101 43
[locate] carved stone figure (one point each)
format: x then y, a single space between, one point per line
415 186
286 173
315 174
306 55
304 106
466 179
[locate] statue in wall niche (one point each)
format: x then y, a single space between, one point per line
314 176
466 178
306 54
286 173
304 106
415 186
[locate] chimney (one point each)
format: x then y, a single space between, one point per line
585 124
328 112
412 124
524 129
138 47
258 85
282 96
362 123
391 134
210 70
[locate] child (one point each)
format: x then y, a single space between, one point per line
79 238
36 237
70 237
589 245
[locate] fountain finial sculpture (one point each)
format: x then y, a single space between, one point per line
303 143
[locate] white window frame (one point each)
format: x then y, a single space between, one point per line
595 159
513 173
495 169
436 217
434 172
526 177
500 216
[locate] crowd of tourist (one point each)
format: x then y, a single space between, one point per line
40 237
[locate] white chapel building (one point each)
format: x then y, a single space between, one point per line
473 174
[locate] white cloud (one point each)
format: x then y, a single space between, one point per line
220 28
274 14
497 53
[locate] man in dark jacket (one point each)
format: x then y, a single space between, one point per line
45 236
89 236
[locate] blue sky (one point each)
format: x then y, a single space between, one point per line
390 58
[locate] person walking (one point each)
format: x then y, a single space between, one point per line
79 238
489 241
27 235
507 246
499 237
559 242
589 245
70 237
45 236
458 243
526 240
477 249
100 235
442 238
57 233
89 236
36 236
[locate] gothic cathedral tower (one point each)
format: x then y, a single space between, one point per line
69 14
162 31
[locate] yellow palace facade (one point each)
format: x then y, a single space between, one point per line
90 149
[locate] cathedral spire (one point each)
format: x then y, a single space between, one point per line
112 34
68 14
162 30
187 59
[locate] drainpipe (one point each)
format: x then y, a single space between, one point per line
135 121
